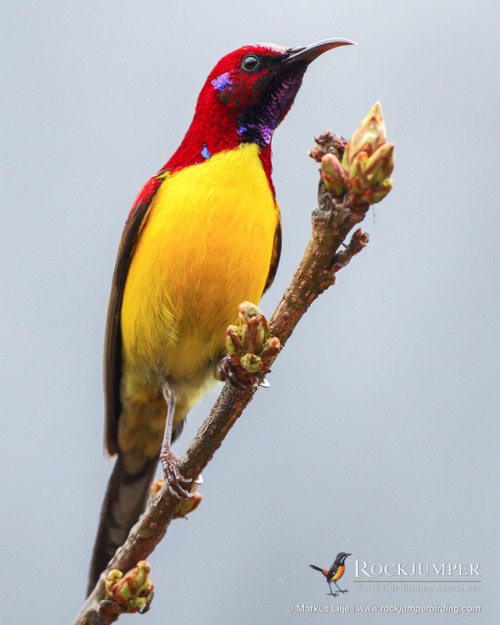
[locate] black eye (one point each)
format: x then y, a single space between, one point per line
250 62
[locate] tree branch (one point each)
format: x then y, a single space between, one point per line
331 223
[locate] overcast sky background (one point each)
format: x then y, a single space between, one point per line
379 434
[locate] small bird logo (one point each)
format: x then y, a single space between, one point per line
334 573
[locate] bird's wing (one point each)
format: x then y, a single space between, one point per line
113 339
333 569
275 257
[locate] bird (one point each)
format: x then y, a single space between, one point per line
203 235
334 573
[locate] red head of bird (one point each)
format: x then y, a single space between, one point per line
245 97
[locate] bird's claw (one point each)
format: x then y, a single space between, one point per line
173 476
239 378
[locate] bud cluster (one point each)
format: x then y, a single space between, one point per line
367 164
249 343
132 590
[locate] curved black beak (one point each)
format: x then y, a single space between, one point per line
307 54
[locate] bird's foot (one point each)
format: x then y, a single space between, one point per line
332 594
237 376
186 506
173 476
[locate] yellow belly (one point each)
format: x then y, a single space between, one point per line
205 248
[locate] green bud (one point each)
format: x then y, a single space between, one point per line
188 504
333 174
131 590
272 348
368 136
139 579
369 160
249 335
155 487
380 164
233 341
112 578
249 343
251 363
381 190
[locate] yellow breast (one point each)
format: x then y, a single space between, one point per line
205 248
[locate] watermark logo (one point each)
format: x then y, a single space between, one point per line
416 576
363 569
334 573
401 581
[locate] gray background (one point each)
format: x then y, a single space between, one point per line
379 434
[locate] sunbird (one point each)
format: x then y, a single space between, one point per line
203 235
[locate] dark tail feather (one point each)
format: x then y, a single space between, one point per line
316 568
124 502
